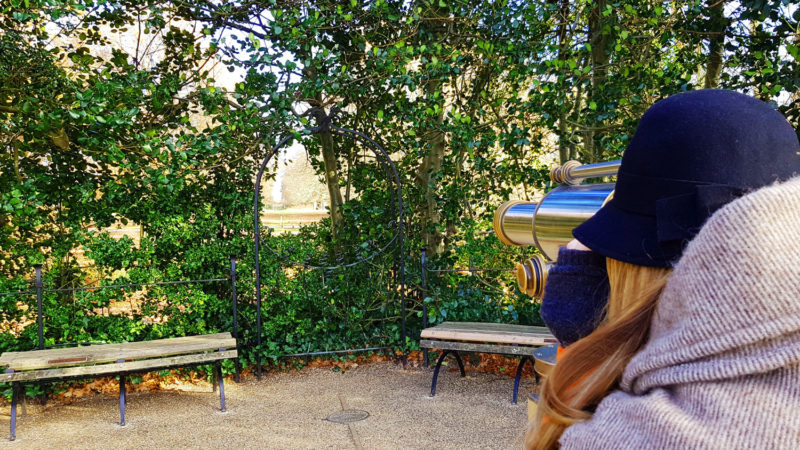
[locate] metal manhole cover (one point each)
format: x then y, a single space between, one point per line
348 416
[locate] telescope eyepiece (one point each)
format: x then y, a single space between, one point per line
532 275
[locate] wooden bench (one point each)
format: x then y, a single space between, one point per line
453 337
110 359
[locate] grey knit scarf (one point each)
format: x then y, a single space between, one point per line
721 368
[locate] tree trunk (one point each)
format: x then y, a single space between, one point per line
600 58
576 112
565 149
332 180
716 43
329 160
430 166
480 81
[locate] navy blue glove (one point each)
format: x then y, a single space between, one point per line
575 295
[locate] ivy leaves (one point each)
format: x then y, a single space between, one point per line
473 99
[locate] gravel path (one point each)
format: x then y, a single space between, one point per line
289 410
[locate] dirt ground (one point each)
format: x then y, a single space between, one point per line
289 410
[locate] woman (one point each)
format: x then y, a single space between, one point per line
698 344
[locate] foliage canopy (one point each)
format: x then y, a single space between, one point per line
158 113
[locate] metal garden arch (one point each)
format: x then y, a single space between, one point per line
397 239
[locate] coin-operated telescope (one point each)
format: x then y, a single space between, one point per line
548 224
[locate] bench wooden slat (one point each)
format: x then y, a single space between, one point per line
516 350
490 332
496 327
105 353
107 369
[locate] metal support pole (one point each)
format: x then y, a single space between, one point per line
424 265
121 396
258 316
39 322
401 244
235 317
14 399
256 239
221 385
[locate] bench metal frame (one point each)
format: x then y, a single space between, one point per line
453 347
16 386
122 367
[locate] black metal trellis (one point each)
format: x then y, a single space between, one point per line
50 374
326 126
40 289
424 292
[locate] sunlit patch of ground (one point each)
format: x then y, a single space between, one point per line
288 408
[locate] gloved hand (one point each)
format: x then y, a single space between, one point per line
576 294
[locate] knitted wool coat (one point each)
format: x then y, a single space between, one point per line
721 368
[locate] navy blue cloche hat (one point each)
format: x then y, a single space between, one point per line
691 154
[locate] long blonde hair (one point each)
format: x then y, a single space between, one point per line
593 366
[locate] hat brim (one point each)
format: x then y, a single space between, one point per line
626 236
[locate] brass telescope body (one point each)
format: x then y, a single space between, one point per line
548 224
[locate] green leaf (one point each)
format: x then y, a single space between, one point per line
793 50
253 40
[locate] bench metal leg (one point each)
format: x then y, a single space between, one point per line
221 387
122 400
519 374
439 365
460 364
238 366
43 396
14 399
121 397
